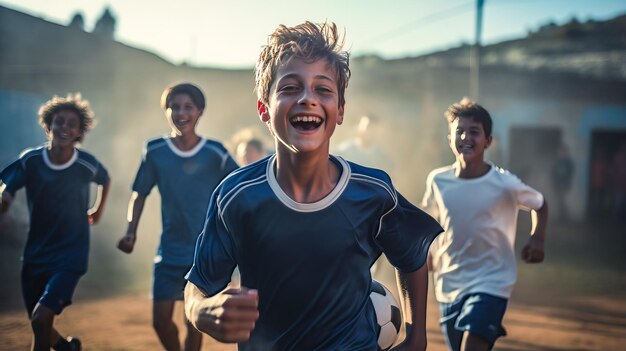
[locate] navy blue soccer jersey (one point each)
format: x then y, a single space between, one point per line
185 180
58 201
309 261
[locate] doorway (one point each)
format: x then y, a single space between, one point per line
607 175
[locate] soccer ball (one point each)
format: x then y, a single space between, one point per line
388 315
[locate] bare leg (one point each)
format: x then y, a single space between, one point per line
193 341
54 336
41 322
473 342
164 325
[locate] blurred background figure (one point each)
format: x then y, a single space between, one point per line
248 146
598 193
364 148
562 176
249 151
618 172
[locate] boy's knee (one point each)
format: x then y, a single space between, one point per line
41 317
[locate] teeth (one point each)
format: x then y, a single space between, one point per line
306 119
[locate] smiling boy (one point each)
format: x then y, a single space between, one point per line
473 262
304 226
186 168
57 177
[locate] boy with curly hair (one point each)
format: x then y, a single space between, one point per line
57 177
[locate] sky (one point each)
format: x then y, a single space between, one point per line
229 34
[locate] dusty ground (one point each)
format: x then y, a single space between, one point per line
123 323
576 300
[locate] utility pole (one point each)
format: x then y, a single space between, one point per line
475 53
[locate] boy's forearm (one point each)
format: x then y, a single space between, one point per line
101 198
105 193
414 291
135 208
192 297
540 222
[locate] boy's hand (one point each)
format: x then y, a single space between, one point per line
94 216
7 200
229 316
127 242
533 251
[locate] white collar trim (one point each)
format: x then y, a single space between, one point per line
188 153
492 168
328 200
55 167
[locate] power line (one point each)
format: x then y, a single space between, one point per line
425 20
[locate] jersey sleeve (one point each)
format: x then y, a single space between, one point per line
228 165
214 261
102 175
14 176
146 174
405 235
429 201
527 197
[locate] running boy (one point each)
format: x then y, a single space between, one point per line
186 168
473 262
57 177
304 226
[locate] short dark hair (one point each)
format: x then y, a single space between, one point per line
193 91
470 109
308 41
72 102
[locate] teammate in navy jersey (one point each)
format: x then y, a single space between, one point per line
57 178
305 227
186 168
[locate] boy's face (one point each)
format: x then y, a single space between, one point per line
247 153
64 129
468 140
182 114
303 106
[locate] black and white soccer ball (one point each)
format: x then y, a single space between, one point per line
388 315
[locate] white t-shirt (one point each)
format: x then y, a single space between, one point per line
479 215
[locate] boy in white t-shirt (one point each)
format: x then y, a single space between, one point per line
473 261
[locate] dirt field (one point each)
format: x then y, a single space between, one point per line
123 323
573 301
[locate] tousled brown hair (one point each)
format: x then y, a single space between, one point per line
308 41
470 109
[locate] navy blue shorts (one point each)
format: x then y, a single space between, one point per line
53 290
168 282
480 314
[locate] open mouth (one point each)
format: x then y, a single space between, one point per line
181 123
63 136
306 122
